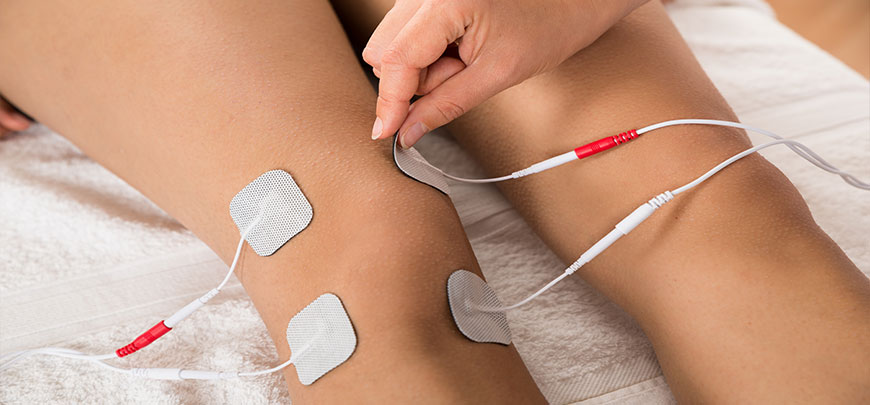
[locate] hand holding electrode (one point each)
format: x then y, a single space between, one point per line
499 44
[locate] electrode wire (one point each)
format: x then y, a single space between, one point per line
69 353
291 360
241 245
732 159
60 352
99 360
688 186
525 301
450 176
800 149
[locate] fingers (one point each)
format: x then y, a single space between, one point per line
438 73
386 31
419 44
458 94
11 120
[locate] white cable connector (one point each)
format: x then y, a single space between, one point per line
545 165
621 229
189 309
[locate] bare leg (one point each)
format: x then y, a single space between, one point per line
188 101
744 298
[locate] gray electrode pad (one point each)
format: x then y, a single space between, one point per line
465 290
321 337
415 166
279 203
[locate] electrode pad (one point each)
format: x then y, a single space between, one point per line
415 166
465 291
322 335
282 209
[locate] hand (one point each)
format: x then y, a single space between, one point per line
500 44
11 120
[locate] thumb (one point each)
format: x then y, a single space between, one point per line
448 101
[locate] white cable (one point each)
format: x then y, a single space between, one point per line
170 322
525 301
236 257
732 159
61 352
464 180
7 360
641 214
196 304
161 373
621 229
154 373
242 238
244 235
491 180
800 149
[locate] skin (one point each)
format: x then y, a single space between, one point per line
744 297
762 308
196 110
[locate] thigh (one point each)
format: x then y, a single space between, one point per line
188 101
720 266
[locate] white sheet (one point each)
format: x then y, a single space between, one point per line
81 252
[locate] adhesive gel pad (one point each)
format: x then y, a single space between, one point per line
322 335
465 291
282 209
415 166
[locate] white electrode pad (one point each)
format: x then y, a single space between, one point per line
282 209
465 291
321 337
415 166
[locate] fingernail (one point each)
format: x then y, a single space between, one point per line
377 128
412 135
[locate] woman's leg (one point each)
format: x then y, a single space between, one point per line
744 298
188 101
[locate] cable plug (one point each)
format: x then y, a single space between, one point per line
209 295
189 309
546 164
621 229
144 339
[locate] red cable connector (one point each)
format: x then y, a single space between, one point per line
604 144
584 151
144 339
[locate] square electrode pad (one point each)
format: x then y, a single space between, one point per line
321 337
415 166
466 293
282 209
